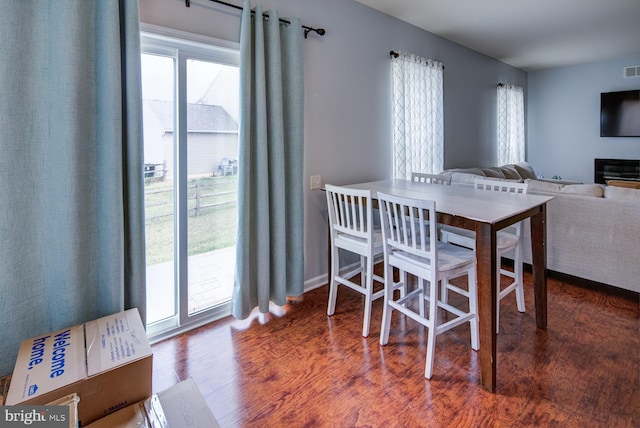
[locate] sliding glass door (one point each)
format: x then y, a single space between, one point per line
190 106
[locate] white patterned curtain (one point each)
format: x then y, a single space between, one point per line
511 147
418 120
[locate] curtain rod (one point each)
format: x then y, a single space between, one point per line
307 30
396 55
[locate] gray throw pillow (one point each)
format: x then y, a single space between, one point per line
510 172
525 170
494 172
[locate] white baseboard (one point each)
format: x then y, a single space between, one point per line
313 283
320 280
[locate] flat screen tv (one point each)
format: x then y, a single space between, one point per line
620 114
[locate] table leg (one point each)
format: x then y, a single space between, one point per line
539 265
487 296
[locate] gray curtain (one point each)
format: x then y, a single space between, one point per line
71 186
270 253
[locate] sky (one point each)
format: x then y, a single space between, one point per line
207 82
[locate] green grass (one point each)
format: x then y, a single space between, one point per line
213 228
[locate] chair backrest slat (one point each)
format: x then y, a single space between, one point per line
350 210
404 225
511 187
421 177
500 186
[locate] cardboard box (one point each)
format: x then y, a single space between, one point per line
70 401
107 362
4 388
133 416
180 406
183 406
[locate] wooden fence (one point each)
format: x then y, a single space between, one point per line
203 198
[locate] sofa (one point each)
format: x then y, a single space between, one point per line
593 230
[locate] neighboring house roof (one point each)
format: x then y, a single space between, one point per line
200 117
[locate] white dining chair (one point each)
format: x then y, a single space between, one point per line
409 232
352 229
509 239
422 177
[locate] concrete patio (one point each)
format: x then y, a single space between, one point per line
210 283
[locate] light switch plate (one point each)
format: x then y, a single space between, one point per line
315 182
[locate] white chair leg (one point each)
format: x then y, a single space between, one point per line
517 265
367 277
473 307
431 345
367 316
402 277
333 284
423 302
387 310
403 280
444 295
432 322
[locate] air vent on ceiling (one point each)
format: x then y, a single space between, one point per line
632 71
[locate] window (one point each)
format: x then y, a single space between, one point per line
190 113
511 147
417 107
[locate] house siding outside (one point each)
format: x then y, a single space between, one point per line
212 136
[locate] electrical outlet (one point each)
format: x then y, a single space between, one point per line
315 182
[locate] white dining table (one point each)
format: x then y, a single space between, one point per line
485 213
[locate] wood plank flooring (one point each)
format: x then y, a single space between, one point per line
305 369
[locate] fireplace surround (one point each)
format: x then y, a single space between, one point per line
616 169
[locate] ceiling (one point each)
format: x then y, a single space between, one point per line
528 34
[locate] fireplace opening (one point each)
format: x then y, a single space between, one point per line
616 169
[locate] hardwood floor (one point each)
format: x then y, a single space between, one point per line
305 369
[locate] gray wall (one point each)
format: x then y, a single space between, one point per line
563 132
347 75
